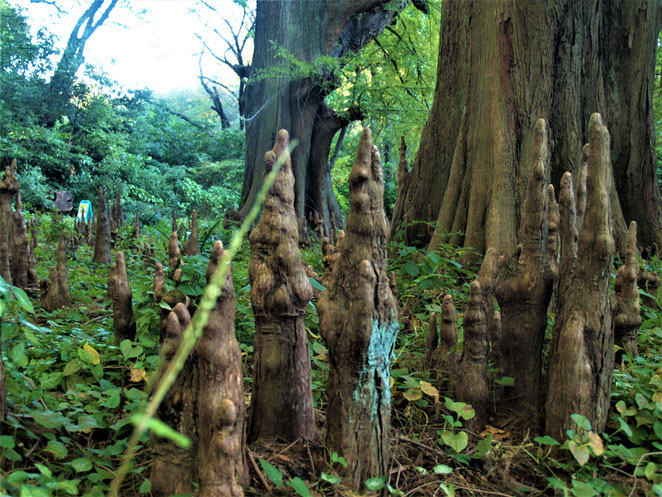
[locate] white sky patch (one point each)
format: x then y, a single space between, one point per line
143 44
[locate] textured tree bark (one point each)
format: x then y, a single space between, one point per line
582 352
116 212
55 290
102 243
359 321
174 253
161 294
283 97
8 188
192 246
175 468
471 386
625 299
282 398
446 359
524 285
3 385
432 342
119 292
517 61
221 404
20 246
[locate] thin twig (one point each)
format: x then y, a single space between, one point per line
634 473
259 474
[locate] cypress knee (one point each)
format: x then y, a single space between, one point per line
625 299
8 188
358 319
282 401
191 246
524 285
102 243
221 406
20 246
175 468
55 291
471 384
446 360
119 292
582 352
432 342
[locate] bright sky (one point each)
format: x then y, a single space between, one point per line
151 43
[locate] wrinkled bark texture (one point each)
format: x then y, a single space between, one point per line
359 321
446 360
55 290
471 386
120 295
511 62
282 398
8 188
102 242
192 246
582 352
304 29
524 285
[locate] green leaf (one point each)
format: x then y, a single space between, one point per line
376 483
300 487
657 428
58 449
411 269
580 452
19 357
448 489
7 442
332 479
163 430
625 427
69 486
316 284
442 469
505 381
22 299
335 458
128 350
44 470
17 477
48 419
85 422
582 422
457 441
50 380
81 464
581 489
71 367
272 473
145 486
649 471
546 440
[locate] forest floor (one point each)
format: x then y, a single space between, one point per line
72 393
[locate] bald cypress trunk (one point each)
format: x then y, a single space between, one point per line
561 60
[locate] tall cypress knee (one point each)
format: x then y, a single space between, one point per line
282 401
119 292
221 405
191 246
55 290
582 353
8 188
625 298
359 320
102 243
524 285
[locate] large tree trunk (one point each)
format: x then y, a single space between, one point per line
282 95
558 59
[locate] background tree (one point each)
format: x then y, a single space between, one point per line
602 58
297 46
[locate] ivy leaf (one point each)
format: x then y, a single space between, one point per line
71 367
413 394
7 442
128 350
430 390
69 486
19 356
145 486
442 469
595 442
580 452
332 479
546 440
457 441
272 473
58 449
581 489
81 464
48 419
376 483
44 470
300 487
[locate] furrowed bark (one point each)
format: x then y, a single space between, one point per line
102 243
625 299
446 359
20 246
191 246
432 342
358 319
119 292
524 286
55 291
175 468
282 402
471 384
8 188
221 404
582 355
